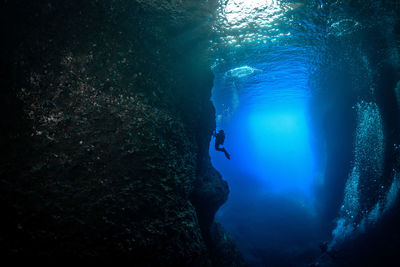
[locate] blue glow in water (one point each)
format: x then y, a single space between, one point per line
272 145
271 172
280 139
265 117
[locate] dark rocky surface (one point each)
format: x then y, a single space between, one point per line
105 125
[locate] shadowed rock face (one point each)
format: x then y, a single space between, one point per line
105 125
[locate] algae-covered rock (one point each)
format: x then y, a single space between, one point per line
106 121
224 251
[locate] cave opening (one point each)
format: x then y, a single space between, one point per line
273 169
294 93
262 96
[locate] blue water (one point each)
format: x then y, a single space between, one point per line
272 169
268 126
272 61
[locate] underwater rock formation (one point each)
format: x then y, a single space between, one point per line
366 229
105 125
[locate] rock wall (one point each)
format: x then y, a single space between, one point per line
105 125
361 131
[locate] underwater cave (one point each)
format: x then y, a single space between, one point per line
108 116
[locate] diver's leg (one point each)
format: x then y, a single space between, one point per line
226 153
222 149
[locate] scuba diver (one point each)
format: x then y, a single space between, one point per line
219 141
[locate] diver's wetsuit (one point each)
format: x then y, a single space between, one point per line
219 141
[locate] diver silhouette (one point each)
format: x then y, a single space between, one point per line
219 141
